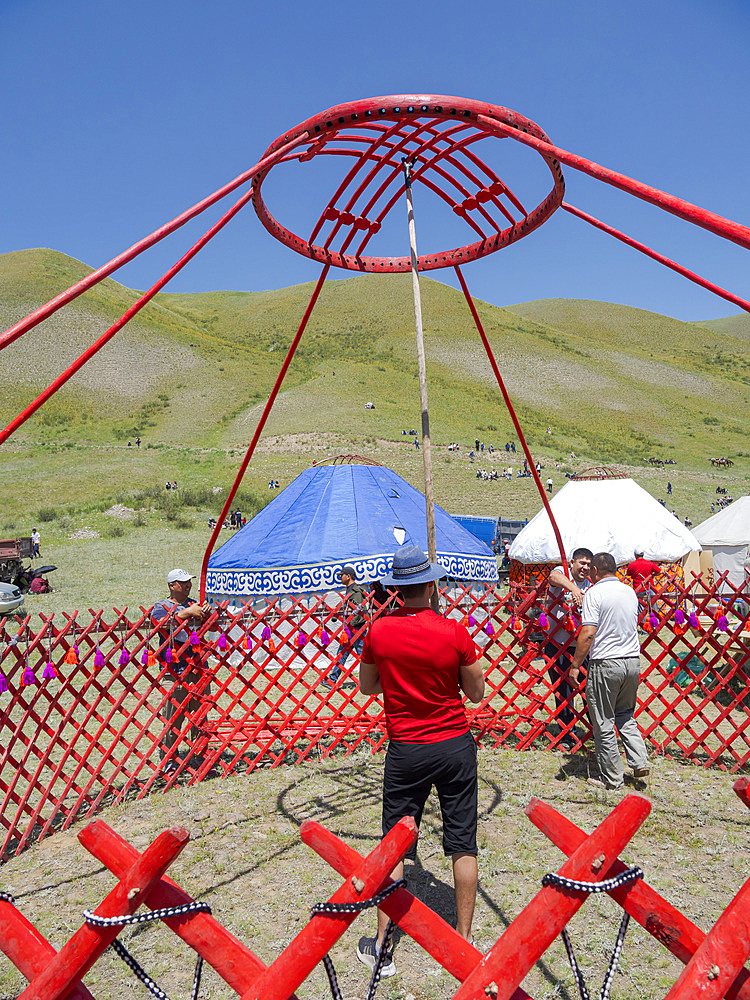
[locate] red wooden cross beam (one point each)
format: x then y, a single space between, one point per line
527 938
416 919
644 904
234 961
72 962
27 949
316 939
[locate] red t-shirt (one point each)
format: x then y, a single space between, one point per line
418 655
641 570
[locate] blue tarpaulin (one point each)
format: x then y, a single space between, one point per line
337 514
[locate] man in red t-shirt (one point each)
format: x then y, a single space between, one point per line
641 571
421 662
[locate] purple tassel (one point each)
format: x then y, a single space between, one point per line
679 617
265 635
472 620
28 676
348 632
144 657
49 672
194 640
124 657
693 620
301 639
653 619
325 638
543 621
98 658
489 628
168 655
3 684
222 643
722 624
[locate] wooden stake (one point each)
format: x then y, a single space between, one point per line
426 449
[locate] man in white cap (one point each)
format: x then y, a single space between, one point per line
421 662
180 616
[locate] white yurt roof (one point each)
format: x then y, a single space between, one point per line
610 515
730 526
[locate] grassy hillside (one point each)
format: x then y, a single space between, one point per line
191 373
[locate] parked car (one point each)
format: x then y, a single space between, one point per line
11 599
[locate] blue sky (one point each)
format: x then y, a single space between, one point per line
116 117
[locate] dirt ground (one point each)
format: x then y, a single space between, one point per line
245 858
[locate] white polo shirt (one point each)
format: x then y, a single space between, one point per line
612 607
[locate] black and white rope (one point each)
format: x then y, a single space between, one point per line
631 875
140 918
363 904
329 909
6 897
560 882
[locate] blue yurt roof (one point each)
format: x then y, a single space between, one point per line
332 515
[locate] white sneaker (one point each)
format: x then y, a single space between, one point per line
368 952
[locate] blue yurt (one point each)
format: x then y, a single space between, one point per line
332 515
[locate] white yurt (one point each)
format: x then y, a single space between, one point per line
613 515
726 535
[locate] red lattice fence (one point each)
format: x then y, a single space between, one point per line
714 962
90 714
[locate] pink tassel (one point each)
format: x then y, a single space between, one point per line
693 620
49 673
222 643
265 635
124 657
3 684
472 620
194 640
144 657
679 616
168 655
301 639
543 621
98 659
348 632
722 624
325 638
653 619
489 629
28 677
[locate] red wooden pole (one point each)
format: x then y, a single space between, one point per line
261 424
677 206
535 928
316 939
76 957
422 924
660 258
643 903
125 318
233 960
742 789
513 417
712 970
27 949
43 312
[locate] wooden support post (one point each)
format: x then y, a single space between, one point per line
426 448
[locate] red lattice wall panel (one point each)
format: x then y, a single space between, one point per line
91 714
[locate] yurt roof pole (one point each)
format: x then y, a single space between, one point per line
513 417
426 449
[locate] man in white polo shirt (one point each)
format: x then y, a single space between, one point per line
609 635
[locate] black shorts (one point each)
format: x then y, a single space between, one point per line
411 769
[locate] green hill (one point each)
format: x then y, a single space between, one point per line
191 372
